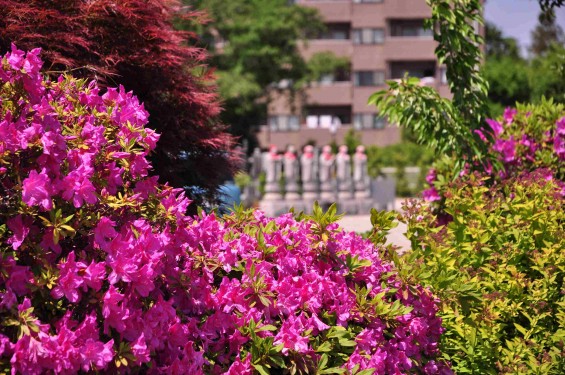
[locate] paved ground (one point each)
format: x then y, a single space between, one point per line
362 223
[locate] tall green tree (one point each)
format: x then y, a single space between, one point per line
498 45
255 46
446 125
547 74
546 33
506 71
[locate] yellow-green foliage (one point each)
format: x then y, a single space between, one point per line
498 268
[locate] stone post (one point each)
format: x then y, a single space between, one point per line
291 172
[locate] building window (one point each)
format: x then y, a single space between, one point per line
368 36
368 121
335 31
409 28
369 78
420 69
284 123
339 75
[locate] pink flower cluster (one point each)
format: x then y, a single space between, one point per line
520 143
101 270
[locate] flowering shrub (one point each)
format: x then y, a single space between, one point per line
101 270
525 139
136 43
498 267
490 244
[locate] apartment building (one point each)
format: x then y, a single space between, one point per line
383 39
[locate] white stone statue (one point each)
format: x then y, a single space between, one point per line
272 165
327 160
343 164
291 169
307 162
272 168
360 172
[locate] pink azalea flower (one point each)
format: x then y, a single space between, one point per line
140 351
94 275
431 195
97 354
16 58
36 190
560 127
77 187
495 126
240 367
509 114
507 148
104 232
20 226
54 145
480 134
69 281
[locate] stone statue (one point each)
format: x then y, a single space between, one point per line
343 163
327 160
309 182
291 165
291 172
255 161
307 161
272 165
272 168
343 172
360 172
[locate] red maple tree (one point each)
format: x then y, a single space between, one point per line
134 43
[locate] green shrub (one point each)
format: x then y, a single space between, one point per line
498 268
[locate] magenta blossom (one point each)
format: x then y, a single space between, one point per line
495 126
20 227
507 149
37 190
431 195
509 114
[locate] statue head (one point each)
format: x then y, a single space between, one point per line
273 149
308 149
291 149
343 149
360 149
327 149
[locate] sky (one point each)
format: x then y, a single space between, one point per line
517 18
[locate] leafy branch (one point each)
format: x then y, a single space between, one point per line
446 125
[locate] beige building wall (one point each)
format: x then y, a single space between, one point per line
288 119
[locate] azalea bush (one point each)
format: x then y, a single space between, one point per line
135 43
102 271
489 242
525 139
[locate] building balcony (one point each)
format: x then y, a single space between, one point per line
361 97
409 48
368 57
328 94
340 47
407 9
330 10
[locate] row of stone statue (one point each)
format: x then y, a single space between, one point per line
320 175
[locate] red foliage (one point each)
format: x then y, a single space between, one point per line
134 43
